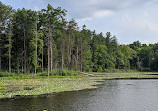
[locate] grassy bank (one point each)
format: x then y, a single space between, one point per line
43 85
26 85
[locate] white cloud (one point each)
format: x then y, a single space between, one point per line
102 13
141 22
97 14
83 9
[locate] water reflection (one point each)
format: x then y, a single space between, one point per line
113 95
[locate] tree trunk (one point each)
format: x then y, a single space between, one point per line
27 66
70 56
36 50
73 61
0 58
0 46
48 50
48 61
0 43
51 51
24 52
77 59
10 45
22 65
50 40
18 66
81 60
42 58
62 58
69 52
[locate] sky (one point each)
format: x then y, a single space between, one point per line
128 20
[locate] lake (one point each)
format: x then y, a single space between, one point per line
112 95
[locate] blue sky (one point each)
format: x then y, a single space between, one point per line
128 20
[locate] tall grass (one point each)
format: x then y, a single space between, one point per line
54 72
119 70
59 72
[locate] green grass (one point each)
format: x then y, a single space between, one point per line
117 71
44 85
136 75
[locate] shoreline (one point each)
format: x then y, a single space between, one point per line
44 87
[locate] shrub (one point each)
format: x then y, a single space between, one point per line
59 72
5 74
2 89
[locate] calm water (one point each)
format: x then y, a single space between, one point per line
113 95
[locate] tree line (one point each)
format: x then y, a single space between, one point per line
37 41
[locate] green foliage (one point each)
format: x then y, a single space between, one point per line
5 74
59 72
2 89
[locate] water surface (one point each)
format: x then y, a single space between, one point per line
113 95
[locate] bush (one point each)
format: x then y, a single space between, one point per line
67 72
2 89
59 72
146 70
45 73
5 74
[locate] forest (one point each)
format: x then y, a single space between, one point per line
45 41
